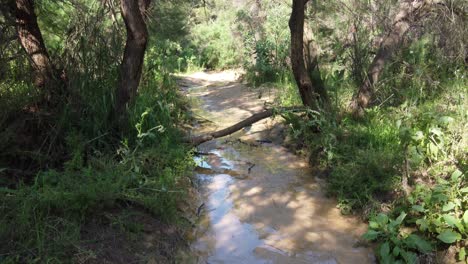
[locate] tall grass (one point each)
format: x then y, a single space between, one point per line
85 166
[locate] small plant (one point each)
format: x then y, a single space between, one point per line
396 245
442 211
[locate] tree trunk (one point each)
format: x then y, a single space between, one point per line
312 66
408 13
133 13
307 90
32 42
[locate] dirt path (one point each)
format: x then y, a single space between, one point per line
261 203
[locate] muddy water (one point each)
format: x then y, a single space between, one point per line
261 204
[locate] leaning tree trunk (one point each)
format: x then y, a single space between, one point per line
133 13
307 90
409 11
32 42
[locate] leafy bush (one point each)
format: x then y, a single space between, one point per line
397 246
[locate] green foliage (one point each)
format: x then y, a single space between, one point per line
439 212
265 42
442 210
397 246
49 213
62 167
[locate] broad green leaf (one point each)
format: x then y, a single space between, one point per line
384 250
388 259
418 135
448 207
423 224
436 131
373 225
433 149
417 242
400 218
396 251
382 219
456 174
449 236
418 208
439 197
465 217
464 190
409 257
371 235
451 220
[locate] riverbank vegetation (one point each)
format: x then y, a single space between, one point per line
76 168
391 133
91 118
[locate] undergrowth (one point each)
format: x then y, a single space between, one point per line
102 171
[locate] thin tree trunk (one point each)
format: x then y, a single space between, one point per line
133 13
312 66
309 95
408 13
32 42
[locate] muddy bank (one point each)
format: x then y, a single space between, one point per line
260 203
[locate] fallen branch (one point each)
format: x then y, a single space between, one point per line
244 123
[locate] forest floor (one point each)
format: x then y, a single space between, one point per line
259 203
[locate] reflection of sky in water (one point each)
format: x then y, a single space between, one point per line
201 162
228 239
235 241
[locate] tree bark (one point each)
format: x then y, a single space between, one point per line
238 126
133 13
312 66
409 11
32 42
309 95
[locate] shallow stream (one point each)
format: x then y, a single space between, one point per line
261 203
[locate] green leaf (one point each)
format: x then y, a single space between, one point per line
439 197
462 254
436 131
445 120
465 217
449 236
433 149
396 251
400 218
418 135
417 242
455 175
409 257
382 219
373 225
423 224
448 207
384 250
451 220
371 235
418 208
464 190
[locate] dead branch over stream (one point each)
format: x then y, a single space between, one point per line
197 140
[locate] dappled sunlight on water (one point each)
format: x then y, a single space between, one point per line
272 216
262 203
